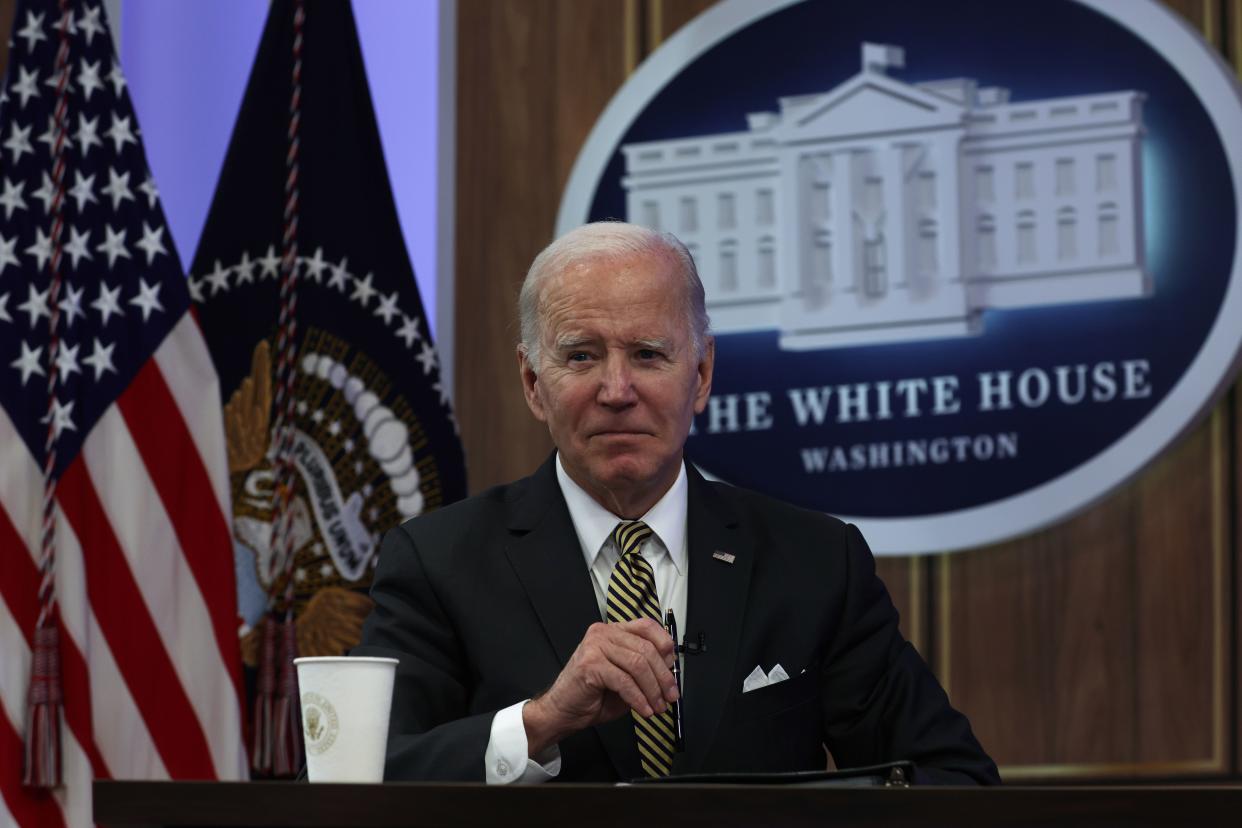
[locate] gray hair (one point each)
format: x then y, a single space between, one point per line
607 240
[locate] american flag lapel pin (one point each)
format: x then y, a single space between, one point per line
724 556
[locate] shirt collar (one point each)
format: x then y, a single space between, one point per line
593 523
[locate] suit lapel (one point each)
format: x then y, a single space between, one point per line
716 606
544 552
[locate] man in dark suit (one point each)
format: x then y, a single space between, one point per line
496 606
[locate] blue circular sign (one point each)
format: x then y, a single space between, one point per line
969 266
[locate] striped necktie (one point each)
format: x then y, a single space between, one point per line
632 595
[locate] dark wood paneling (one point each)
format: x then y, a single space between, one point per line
1234 477
665 17
1096 646
7 9
1034 631
1232 29
533 76
1180 527
907 584
1204 15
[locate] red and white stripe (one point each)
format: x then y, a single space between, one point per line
146 592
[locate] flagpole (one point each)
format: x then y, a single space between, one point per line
43 704
285 723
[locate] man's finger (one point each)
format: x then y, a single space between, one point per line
653 632
622 683
638 665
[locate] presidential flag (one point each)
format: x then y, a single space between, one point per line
338 425
109 403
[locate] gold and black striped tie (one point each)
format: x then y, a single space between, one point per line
632 595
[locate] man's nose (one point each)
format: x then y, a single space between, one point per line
616 388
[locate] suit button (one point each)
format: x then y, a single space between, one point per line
502 768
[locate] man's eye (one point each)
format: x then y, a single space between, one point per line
579 356
648 353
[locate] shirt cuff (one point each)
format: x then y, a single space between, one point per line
506 760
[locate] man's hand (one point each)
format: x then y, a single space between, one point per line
616 668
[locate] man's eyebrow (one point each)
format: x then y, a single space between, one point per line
566 343
654 344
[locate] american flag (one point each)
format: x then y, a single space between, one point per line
143 558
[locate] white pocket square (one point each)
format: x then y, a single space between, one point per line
758 678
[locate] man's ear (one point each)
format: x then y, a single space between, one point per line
706 366
529 381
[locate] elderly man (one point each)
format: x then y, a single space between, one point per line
525 617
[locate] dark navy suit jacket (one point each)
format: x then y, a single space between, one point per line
485 600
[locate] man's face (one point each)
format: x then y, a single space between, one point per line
619 379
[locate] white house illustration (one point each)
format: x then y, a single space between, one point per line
881 211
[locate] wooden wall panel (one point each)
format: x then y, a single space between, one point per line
1097 647
665 17
1232 33
1180 525
532 77
7 8
1034 645
1234 476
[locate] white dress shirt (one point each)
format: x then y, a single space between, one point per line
506 760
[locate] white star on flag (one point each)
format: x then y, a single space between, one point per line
88 77
149 190
32 32
61 417
27 84
53 81
100 359
71 305
67 362
387 307
409 330
87 135
150 241
363 290
244 270
218 278
7 256
269 263
77 246
148 298
11 199
48 137
29 362
35 305
117 188
340 274
427 357
121 133
46 193
315 266
117 80
18 142
108 303
41 249
113 245
83 190
88 23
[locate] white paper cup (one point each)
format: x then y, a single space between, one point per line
345 707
